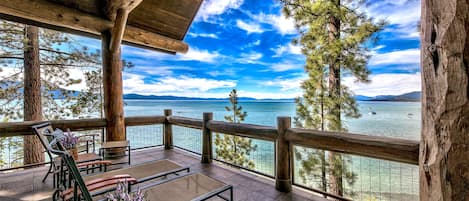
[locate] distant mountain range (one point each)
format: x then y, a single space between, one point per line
408 97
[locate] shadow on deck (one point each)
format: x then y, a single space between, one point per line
27 185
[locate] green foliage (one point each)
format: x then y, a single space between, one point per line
234 149
60 61
335 37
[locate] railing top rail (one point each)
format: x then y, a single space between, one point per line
24 128
185 121
393 149
244 130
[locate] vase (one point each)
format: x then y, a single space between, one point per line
74 152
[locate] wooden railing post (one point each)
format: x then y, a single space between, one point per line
206 138
283 178
168 130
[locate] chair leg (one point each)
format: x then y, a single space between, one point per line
47 174
128 148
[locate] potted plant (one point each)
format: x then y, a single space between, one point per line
70 142
122 194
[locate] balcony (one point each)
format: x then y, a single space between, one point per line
385 167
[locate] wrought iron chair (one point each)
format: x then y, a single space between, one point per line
45 134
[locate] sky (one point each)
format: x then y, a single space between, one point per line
246 44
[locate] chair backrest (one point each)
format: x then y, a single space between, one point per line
53 145
44 132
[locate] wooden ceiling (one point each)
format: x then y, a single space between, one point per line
154 24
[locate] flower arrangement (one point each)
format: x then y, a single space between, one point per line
69 140
122 194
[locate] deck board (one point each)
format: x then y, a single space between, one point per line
26 184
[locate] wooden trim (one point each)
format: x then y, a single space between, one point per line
62 18
24 128
185 122
392 149
144 120
244 130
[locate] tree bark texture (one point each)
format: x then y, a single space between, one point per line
33 150
444 147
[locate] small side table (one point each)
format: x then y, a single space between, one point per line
115 144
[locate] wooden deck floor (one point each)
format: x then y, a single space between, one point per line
27 185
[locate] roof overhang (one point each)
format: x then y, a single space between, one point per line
155 24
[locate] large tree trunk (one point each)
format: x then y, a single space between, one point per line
444 148
335 160
33 150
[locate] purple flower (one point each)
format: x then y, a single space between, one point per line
69 140
121 194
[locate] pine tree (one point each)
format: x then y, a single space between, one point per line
234 149
59 59
335 37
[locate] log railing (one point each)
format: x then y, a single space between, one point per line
398 150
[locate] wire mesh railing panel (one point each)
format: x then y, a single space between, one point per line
252 154
145 136
363 178
189 139
11 152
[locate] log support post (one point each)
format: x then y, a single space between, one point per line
283 175
168 130
113 90
112 68
444 146
206 138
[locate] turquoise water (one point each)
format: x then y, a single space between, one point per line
393 119
379 179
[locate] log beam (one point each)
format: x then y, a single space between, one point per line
51 15
113 6
444 147
118 29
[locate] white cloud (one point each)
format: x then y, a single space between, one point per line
227 72
159 70
281 67
266 95
134 83
250 58
409 56
290 49
386 84
282 24
285 84
199 55
211 8
249 27
193 54
403 14
203 35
